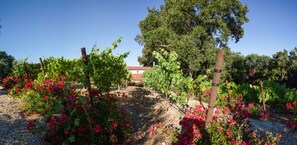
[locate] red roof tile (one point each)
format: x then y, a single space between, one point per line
138 67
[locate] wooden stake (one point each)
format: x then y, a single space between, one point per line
41 65
85 60
26 70
215 85
263 96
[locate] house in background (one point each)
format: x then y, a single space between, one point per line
137 72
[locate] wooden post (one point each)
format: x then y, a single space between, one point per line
85 60
41 65
263 96
215 85
26 70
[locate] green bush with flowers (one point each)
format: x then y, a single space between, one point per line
229 126
292 115
80 123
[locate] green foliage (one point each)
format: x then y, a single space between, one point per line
167 78
193 29
19 69
57 67
6 64
108 69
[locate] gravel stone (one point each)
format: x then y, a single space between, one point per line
13 125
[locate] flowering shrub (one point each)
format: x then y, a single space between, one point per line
229 126
45 98
9 82
80 123
292 107
256 111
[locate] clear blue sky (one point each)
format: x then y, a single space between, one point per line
43 28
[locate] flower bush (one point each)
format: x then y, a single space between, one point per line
45 97
229 126
292 116
9 82
80 123
257 112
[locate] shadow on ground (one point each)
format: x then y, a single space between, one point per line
144 109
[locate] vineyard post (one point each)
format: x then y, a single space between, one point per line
85 60
215 85
263 96
41 65
26 70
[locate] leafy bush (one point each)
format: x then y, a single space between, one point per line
292 108
45 98
80 123
107 69
229 126
9 82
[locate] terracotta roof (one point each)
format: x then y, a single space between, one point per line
137 77
138 67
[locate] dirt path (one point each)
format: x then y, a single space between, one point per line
144 109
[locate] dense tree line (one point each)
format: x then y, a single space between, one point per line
195 28
6 64
281 67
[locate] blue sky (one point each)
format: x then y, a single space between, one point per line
43 28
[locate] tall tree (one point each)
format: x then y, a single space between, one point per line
292 72
6 64
192 28
280 65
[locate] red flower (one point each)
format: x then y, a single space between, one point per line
228 132
114 125
97 128
232 122
26 114
66 132
110 131
127 124
30 125
234 141
52 126
45 98
289 106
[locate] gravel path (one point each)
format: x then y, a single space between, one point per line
289 137
13 126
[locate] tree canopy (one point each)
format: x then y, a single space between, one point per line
192 28
6 64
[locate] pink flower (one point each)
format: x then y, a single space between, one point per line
228 132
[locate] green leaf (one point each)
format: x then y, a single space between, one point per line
76 121
71 113
83 100
72 139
